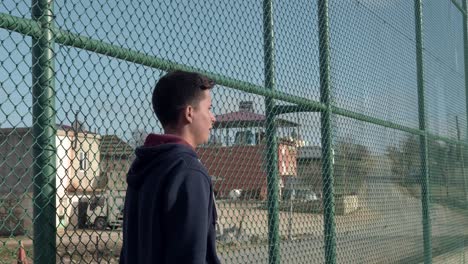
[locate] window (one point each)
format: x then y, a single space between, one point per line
244 138
83 158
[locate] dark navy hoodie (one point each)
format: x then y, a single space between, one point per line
169 214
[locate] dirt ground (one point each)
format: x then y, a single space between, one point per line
92 246
73 246
244 225
254 221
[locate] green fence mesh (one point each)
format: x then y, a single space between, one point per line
341 132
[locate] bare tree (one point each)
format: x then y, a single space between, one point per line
352 165
138 137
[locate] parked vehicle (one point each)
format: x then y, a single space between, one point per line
300 195
106 210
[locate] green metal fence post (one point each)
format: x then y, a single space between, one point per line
462 158
462 146
326 131
44 131
425 190
465 45
271 148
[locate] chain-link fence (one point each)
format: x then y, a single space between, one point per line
341 132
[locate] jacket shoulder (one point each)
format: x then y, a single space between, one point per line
192 163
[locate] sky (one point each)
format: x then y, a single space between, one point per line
373 63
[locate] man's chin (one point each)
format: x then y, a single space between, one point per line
202 142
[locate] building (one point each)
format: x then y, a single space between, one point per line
309 169
116 158
244 167
77 173
240 162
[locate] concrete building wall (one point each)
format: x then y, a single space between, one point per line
16 175
84 178
16 163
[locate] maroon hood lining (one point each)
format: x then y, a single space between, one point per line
153 140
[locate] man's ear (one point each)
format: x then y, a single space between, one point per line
188 114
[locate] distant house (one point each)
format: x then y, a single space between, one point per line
240 162
77 170
116 158
244 167
309 169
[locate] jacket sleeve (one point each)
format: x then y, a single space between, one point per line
187 220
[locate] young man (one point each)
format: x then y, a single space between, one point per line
169 214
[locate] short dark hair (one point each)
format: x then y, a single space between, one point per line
176 90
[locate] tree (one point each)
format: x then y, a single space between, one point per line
138 137
405 160
353 163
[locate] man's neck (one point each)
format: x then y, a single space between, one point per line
182 134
